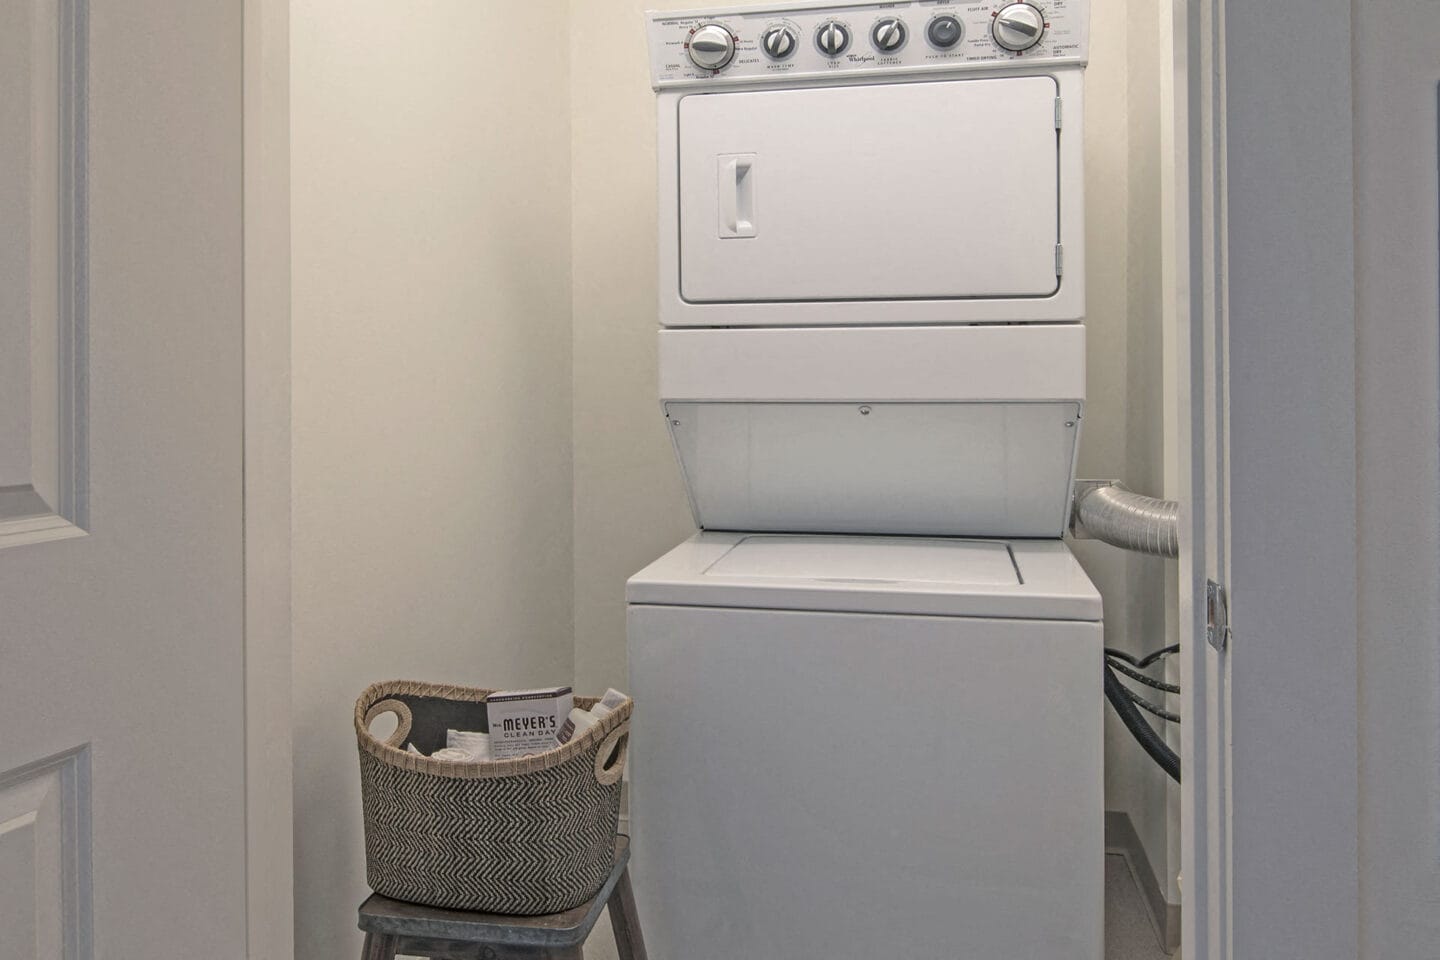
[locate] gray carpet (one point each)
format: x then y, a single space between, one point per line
1129 934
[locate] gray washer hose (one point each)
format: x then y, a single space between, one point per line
1129 520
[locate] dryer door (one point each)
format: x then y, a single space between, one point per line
935 190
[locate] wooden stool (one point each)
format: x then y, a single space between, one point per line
393 927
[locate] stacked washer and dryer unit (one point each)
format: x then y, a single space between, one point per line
870 686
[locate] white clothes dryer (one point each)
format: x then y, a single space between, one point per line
826 164
871 263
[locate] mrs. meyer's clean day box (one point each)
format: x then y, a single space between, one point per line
526 721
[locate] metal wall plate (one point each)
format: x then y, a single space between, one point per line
1217 616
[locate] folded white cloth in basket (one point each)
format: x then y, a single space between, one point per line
473 742
465 747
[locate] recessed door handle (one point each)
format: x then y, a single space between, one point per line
735 191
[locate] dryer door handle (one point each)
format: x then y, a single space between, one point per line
735 193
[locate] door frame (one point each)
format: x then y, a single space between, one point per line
1263 234
1193 260
269 803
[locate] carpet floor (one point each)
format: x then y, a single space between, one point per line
1129 934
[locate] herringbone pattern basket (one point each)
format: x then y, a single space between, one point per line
529 836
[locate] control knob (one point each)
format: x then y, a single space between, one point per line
944 32
711 46
889 35
833 38
778 42
1018 26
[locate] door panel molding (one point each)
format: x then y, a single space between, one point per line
269 825
45 856
54 503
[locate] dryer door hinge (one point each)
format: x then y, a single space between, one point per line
1059 260
1058 113
1217 616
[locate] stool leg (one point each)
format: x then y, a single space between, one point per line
629 941
379 946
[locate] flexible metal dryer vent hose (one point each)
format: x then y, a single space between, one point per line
1129 520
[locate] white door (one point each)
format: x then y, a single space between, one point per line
123 801
1307 204
768 214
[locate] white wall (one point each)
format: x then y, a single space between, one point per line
431 311
1152 592
1397 343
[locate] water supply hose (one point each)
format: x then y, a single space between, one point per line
1144 734
1122 518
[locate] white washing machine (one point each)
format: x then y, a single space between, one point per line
860 729
856 747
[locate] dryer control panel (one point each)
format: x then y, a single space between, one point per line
806 41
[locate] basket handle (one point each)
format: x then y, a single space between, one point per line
610 758
402 726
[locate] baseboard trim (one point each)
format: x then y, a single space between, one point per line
1121 838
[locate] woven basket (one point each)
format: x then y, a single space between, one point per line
527 836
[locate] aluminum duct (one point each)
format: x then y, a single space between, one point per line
1131 521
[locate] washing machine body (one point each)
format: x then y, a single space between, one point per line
851 747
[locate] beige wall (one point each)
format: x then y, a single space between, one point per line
431 299
1104 449
629 503
1123 437
1137 785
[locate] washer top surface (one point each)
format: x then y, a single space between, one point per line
878 560
1006 579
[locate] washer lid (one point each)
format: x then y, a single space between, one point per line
871 560
1014 579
